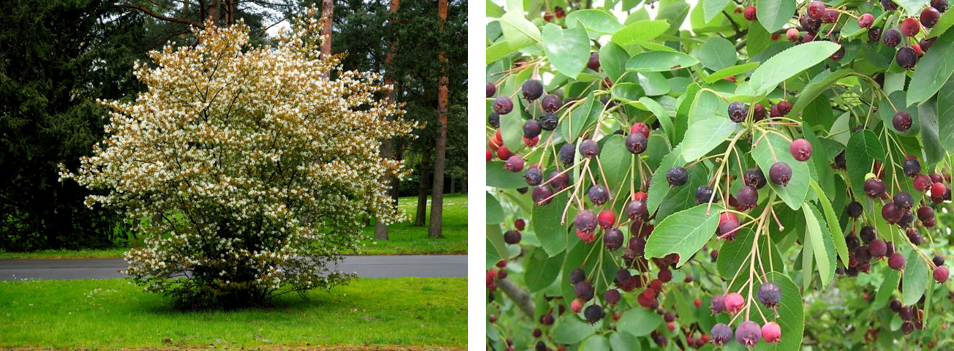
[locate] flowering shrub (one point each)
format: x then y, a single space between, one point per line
254 168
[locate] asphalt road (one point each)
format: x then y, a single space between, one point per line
364 266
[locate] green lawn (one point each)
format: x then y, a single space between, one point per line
419 313
405 239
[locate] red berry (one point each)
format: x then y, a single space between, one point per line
941 274
929 16
697 302
490 155
576 306
771 332
734 302
793 35
896 261
606 219
816 10
640 127
830 16
801 149
749 13
514 164
910 26
865 20
594 61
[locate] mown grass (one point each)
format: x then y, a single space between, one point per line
404 237
97 314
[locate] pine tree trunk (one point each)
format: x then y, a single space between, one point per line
387 146
327 14
437 194
419 219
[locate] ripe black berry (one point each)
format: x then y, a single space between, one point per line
551 103
677 176
929 17
749 333
567 154
868 234
585 221
769 294
940 5
636 143
611 296
598 195
809 24
558 180
854 209
548 121
704 194
589 148
512 237
541 195
754 177
906 57
878 248
532 89
889 5
874 34
593 313
912 167
892 37
576 276
494 120
531 129
636 209
503 105
584 290
738 111
780 173
491 89
925 213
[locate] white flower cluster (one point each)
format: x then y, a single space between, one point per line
253 169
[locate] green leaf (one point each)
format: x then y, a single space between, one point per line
772 148
595 21
733 254
498 177
624 342
933 70
713 8
758 39
595 343
546 223
638 32
580 118
665 121
705 135
788 63
820 241
930 140
496 247
545 270
815 87
791 318
912 6
863 148
730 71
773 14
717 53
498 51
660 61
518 31
567 49
658 187
613 60
943 24
494 10
615 160
493 256
914 279
572 330
683 232
887 289
495 213
511 129
838 238
653 83
638 322
945 115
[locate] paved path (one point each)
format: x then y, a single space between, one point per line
365 266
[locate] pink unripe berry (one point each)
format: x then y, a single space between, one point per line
940 274
734 302
771 332
576 305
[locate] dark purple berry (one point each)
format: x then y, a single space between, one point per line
889 5
594 62
780 173
576 276
558 180
748 196
940 5
912 167
874 188
531 129
589 148
532 89
878 248
816 9
512 237
891 213
874 34
636 209
929 17
721 334
801 149
598 195
868 234
749 333
892 37
704 194
809 24
541 195
613 239
514 164
584 290
533 176
636 143
925 213
903 200
769 294
585 221
593 313
491 89
896 261
611 296
503 105
548 121
854 209
551 103
738 111
906 57
494 120
718 304
567 154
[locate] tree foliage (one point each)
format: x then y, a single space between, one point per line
764 173
254 168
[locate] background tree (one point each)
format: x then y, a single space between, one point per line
258 166
56 59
